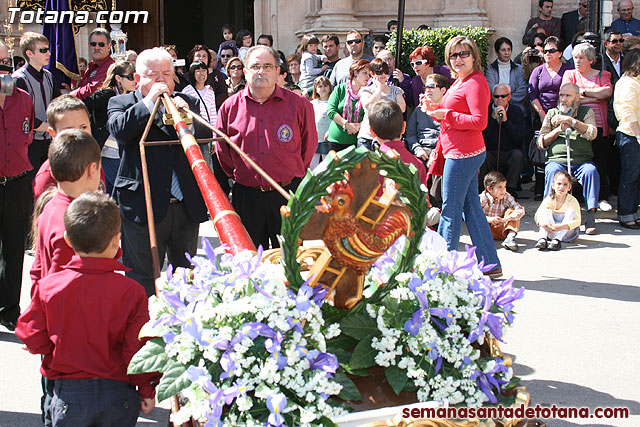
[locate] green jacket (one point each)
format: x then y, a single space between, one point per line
581 150
336 104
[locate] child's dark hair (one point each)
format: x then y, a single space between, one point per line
71 152
385 119
493 178
62 104
557 174
91 221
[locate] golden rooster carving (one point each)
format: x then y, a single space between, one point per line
355 246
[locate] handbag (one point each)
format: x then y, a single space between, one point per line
537 156
436 167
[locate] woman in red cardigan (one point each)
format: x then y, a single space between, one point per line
463 115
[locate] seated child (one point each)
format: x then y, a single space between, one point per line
387 127
558 215
64 112
85 320
74 157
501 209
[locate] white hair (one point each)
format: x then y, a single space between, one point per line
586 50
503 85
157 54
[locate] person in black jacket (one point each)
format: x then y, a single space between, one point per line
119 81
178 207
506 127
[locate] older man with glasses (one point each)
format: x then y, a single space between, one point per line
276 128
355 45
626 24
99 48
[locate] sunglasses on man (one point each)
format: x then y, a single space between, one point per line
94 44
500 96
43 49
354 41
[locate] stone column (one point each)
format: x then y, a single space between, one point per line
335 16
460 13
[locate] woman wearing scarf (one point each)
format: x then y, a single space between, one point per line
345 108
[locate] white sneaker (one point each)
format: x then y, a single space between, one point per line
605 206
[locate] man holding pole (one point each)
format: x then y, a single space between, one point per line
178 207
276 128
579 122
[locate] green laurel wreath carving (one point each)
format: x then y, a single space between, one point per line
314 185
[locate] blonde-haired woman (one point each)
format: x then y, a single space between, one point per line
463 115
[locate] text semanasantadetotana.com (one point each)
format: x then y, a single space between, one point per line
499 412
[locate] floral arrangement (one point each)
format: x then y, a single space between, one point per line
236 341
246 349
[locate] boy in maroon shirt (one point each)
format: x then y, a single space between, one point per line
85 320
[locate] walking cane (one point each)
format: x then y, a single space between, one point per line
500 119
567 141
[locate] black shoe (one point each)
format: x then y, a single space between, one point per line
542 243
8 324
630 225
554 245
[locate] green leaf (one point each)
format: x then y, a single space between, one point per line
150 358
173 381
349 389
358 372
359 326
363 355
326 422
342 355
396 377
342 341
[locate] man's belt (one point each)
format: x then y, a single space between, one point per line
5 179
265 188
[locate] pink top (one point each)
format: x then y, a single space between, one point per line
597 81
461 128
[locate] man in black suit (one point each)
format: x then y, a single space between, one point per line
572 22
178 207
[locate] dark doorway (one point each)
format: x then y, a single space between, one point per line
187 22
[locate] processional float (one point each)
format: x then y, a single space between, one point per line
372 224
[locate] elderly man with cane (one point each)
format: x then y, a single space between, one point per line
503 138
566 134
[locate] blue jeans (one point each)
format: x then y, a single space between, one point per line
460 201
94 402
110 167
629 189
586 174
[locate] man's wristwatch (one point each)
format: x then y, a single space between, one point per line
573 123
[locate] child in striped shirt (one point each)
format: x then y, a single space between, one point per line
501 209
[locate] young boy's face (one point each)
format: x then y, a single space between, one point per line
498 191
71 119
433 92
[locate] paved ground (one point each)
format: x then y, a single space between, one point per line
575 341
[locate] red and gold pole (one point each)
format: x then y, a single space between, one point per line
225 219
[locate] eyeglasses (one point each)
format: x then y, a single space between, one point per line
225 55
239 67
101 44
6 61
43 50
379 72
354 41
616 41
127 76
461 54
500 96
265 67
419 62
551 50
431 86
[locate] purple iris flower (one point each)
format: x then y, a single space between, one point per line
169 337
413 325
276 404
273 344
415 284
487 382
444 313
296 324
325 361
227 364
237 389
209 338
208 249
505 297
319 293
305 293
432 351
200 376
454 265
280 360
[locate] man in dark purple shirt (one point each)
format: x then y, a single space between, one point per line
16 132
276 128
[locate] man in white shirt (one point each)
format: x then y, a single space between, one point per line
355 45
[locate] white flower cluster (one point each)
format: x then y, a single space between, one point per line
218 303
